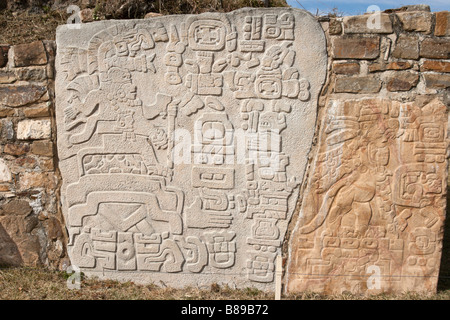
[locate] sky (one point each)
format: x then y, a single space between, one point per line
354 7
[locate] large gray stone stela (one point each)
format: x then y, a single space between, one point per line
183 140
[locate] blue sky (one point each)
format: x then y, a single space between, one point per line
353 7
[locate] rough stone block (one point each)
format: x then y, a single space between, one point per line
357 85
373 212
6 112
442 27
29 54
435 48
395 65
368 23
31 180
20 95
238 92
437 81
334 27
38 73
42 148
7 77
406 47
350 68
41 110
418 21
3 55
402 81
18 246
6 129
435 65
16 149
356 48
34 129
5 173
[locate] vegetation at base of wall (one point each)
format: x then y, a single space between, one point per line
39 284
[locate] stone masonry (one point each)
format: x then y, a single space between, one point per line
373 209
366 212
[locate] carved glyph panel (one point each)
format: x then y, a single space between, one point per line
183 140
373 212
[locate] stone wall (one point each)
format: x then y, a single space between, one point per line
31 228
370 207
386 90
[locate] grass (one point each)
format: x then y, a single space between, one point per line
43 284
24 26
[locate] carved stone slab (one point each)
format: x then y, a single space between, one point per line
182 142
372 215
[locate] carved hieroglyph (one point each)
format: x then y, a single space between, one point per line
372 215
182 142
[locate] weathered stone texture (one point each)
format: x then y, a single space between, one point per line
28 188
42 148
34 129
406 47
7 77
38 111
29 54
418 21
350 68
395 65
437 81
358 85
375 201
3 55
16 149
221 81
442 27
356 48
435 65
334 27
435 48
369 23
402 81
20 95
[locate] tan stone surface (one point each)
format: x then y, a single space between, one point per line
435 65
16 96
442 27
357 85
437 81
372 215
139 204
406 47
34 129
356 48
435 48
350 68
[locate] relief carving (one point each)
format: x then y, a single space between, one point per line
374 200
182 141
